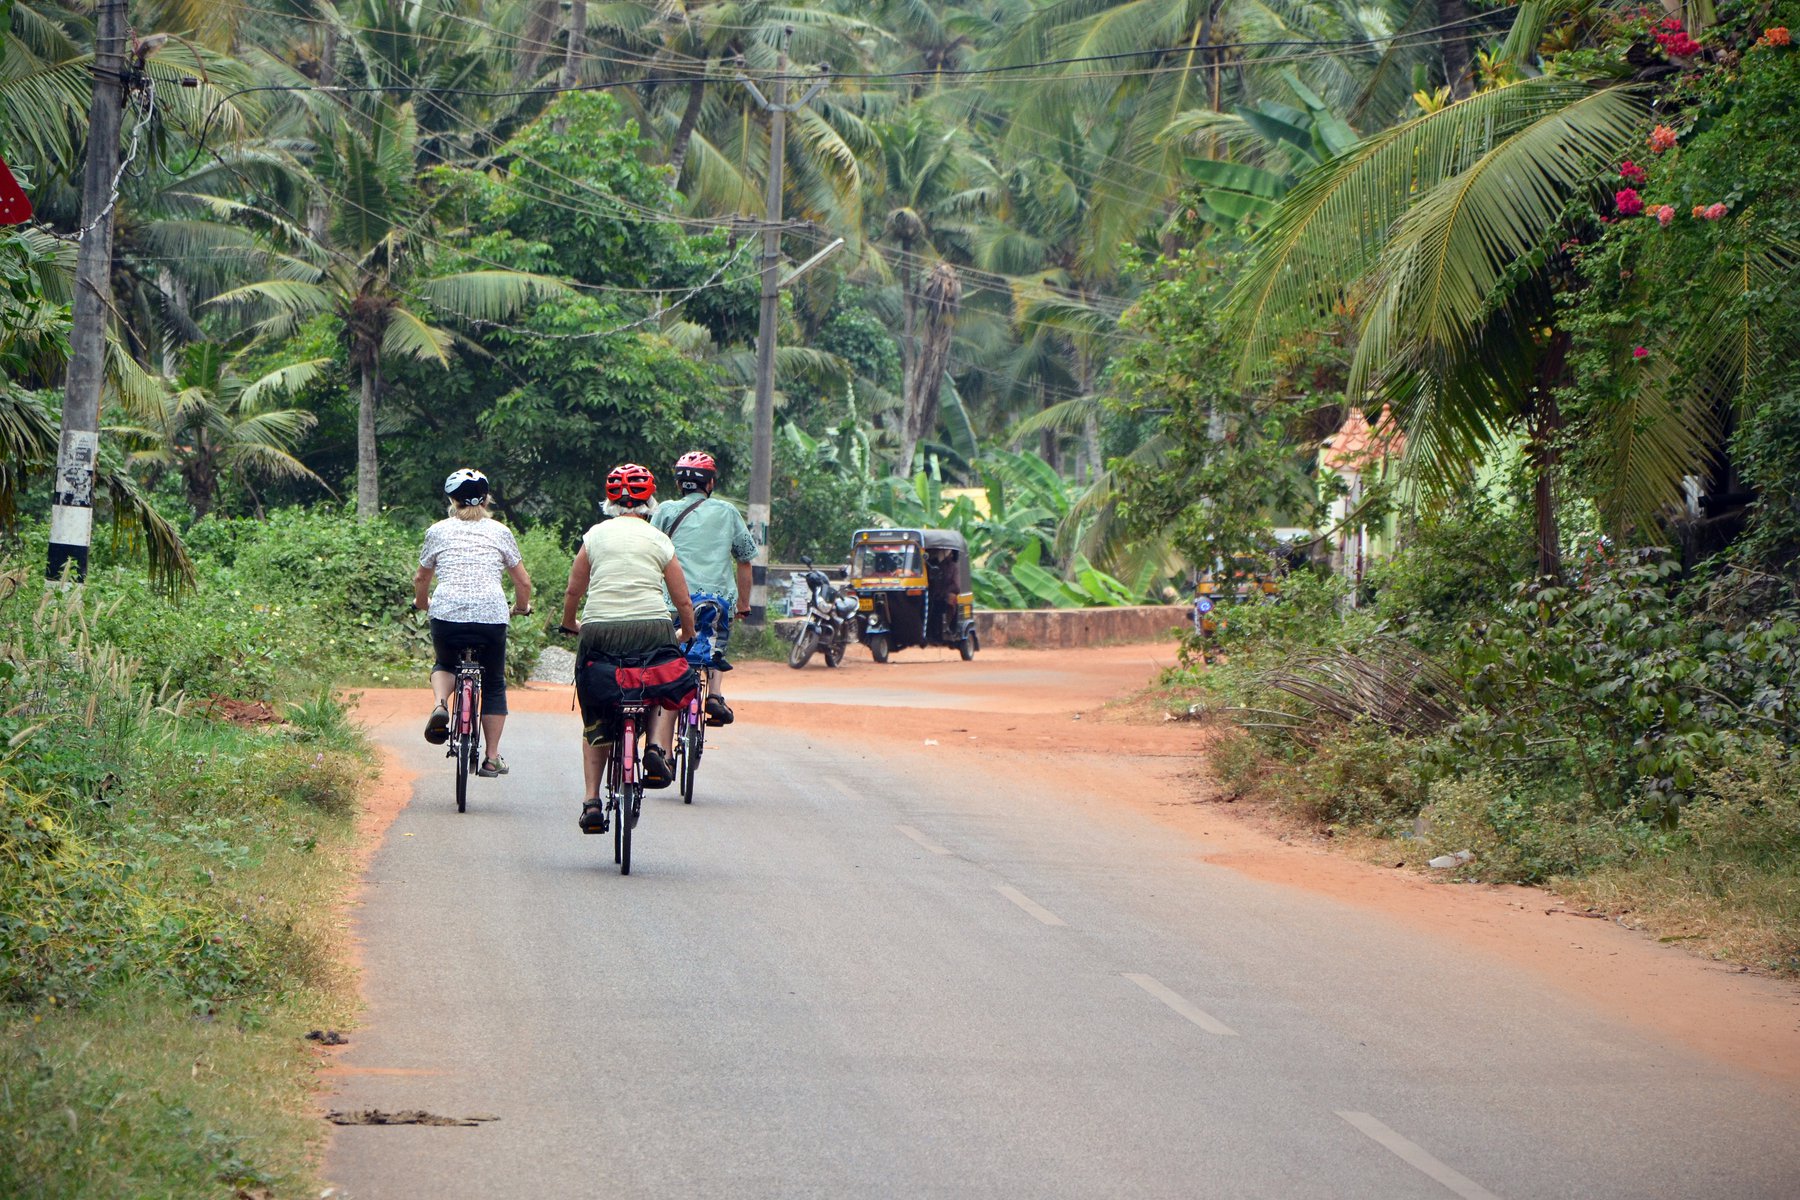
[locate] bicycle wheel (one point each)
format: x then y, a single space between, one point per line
630 798
693 738
618 821
462 778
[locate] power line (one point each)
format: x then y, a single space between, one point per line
876 76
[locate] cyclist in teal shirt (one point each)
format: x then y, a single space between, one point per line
714 547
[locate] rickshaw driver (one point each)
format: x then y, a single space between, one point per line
940 589
709 538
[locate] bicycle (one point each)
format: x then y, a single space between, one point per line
464 744
624 787
690 722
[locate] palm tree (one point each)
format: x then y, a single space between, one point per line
1422 231
208 420
931 189
380 274
33 341
1119 117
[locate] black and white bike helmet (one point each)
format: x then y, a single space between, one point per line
467 487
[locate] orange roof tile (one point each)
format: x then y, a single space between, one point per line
1357 444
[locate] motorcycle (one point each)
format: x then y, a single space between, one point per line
831 618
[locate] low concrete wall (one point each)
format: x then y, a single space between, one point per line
1064 628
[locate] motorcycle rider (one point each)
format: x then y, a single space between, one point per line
710 541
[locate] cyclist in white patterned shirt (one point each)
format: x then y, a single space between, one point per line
467 552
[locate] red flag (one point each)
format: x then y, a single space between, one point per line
15 206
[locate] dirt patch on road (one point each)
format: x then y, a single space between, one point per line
1055 718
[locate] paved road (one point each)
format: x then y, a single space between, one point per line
847 971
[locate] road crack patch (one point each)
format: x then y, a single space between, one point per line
406 1116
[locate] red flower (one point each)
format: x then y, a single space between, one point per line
1672 24
1629 203
1639 352
1662 138
1715 211
1775 35
1683 46
1630 172
1665 213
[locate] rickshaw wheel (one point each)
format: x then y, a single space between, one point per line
878 646
966 647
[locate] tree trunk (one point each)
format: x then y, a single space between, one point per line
1458 69
576 47
572 54
941 297
368 476
535 41
684 132
202 482
1543 425
318 213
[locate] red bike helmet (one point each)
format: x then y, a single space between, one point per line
629 483
694 470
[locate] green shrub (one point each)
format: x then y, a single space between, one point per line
1625 682
1361 776
1520 830
123 825
1459 560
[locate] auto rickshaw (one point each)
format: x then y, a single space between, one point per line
914 590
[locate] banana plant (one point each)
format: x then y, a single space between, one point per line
1275 142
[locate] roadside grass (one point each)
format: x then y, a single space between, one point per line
1724 882
138 1096
169 883
1730 886
1628 742
753 644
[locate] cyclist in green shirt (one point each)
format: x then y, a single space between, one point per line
714 547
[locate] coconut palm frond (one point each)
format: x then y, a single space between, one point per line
489 295
1444 259
294 377
1065 416
1662 430
138 526
1332 227
409 336
289 296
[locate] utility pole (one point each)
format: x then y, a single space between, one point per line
763 424
77 457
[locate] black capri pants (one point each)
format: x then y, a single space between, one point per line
448 638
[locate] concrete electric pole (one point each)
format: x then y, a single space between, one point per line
77 457
763 428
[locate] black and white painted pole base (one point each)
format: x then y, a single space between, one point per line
759 566
72 507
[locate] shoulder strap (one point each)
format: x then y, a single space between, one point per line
682 516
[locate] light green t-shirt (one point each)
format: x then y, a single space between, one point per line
626 557
710 544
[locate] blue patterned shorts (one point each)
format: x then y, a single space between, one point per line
712 631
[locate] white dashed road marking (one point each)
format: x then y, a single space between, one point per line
1029 905
1199 1017
1417 1157
920 838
